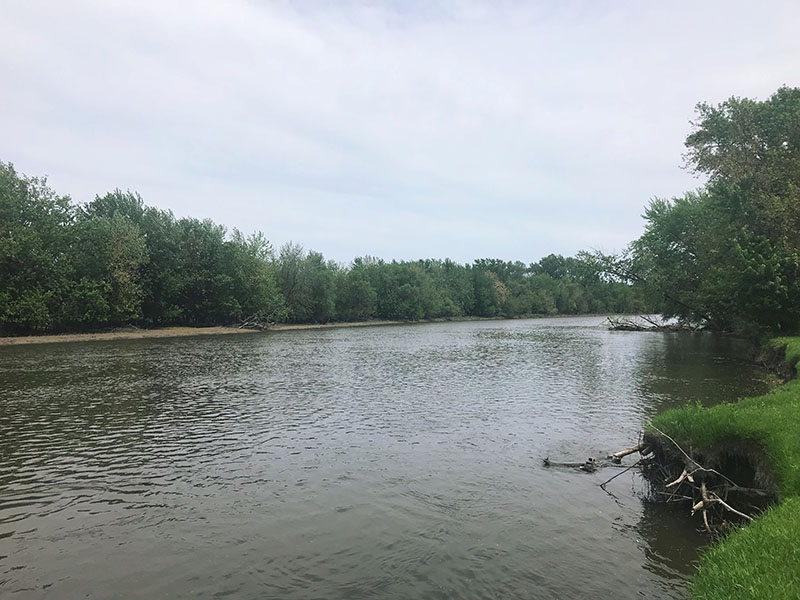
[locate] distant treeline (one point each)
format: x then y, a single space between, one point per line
115 261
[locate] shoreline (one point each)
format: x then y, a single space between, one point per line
172 332
184 331
121 334
753 438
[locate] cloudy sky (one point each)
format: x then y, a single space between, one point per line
395 129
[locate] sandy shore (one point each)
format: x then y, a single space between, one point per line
122 334
165 332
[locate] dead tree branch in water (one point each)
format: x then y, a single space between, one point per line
676 476
258 321
707 488
646 324
641 448
610 479
696 466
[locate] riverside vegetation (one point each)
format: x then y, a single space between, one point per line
757 439
114 261
725 257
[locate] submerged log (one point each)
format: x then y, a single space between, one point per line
641 448
590 465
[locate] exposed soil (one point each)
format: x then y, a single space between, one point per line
132 333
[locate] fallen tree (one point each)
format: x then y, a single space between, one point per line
645 323
706 488
732 484
259 322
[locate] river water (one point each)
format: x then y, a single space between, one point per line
384 462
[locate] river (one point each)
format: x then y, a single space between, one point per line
385 462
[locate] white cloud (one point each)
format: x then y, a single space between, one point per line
400 130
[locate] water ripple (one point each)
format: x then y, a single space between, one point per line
354 463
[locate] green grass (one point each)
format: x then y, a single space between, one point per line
792 352
761 560
771 421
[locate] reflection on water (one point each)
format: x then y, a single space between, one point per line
388 462
698 367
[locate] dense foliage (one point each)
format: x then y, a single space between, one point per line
728 255
115 261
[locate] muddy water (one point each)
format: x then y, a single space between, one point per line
387 462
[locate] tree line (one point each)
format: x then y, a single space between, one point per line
725 256
115 261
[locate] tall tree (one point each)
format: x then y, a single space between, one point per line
356 299
34 236
730 255
107 256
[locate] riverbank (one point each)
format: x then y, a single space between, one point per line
132 333
168 332
757 442
121 334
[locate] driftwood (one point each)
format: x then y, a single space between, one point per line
695 466
590 465
610 479
705 489
708 498
258 321
641 448
644 323
704 503
684 476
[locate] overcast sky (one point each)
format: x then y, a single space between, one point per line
395 129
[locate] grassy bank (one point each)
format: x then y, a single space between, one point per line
760 561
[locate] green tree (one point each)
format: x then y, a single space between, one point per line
160 279
35 228
319 280
729 255
205 287
356 299
487 304
307 283
107 255
250 262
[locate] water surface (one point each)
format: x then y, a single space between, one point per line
386 462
